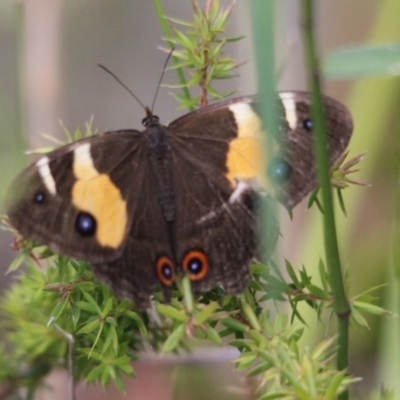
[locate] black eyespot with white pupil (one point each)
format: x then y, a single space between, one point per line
85 224
39 198
195 263
307 124
165 270
279 171
195 266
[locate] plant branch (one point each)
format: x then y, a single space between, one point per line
263 14
167 35
341 305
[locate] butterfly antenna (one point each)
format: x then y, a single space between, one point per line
123 85
161 78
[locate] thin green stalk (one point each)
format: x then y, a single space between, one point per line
21 65
262 15
168 37
341 305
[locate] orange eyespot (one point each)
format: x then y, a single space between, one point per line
165 270
196 264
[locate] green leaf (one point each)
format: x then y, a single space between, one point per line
357 316
195 79
16 263
341 201
180 22
234 325
321 349
108 307
258 337
111 338
235 38
318 292
259 369
85 286
278 285
323 275
214 92
139 321
90 327
75 314
94 306
213 335
173 339
332 390
95 373
184 40
172 312
251 317
59 308
245 361
126 368
86 306
187 293
292 274
242 344
312 197
276 394
363 62
205 313
371 309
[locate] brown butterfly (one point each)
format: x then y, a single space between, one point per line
142 207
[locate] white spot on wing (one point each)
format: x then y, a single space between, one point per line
210 215
83 163
240 188
46 175
246 119
82 155
290 111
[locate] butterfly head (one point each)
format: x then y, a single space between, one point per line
150 120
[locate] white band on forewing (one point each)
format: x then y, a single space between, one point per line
46 175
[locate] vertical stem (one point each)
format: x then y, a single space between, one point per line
341 305
21 77
262 15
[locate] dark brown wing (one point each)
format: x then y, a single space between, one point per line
219 160
295 148
215 228
147 259
80 199
108 180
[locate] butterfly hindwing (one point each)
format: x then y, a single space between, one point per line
216 223
147 258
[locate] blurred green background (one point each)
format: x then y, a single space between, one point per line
48 55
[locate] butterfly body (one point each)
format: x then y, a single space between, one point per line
142 207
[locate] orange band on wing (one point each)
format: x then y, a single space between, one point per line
96 194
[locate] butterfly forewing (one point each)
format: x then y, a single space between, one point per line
52 200
295 147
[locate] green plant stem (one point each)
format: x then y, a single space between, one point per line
341 305
167 35
262 15
21 76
